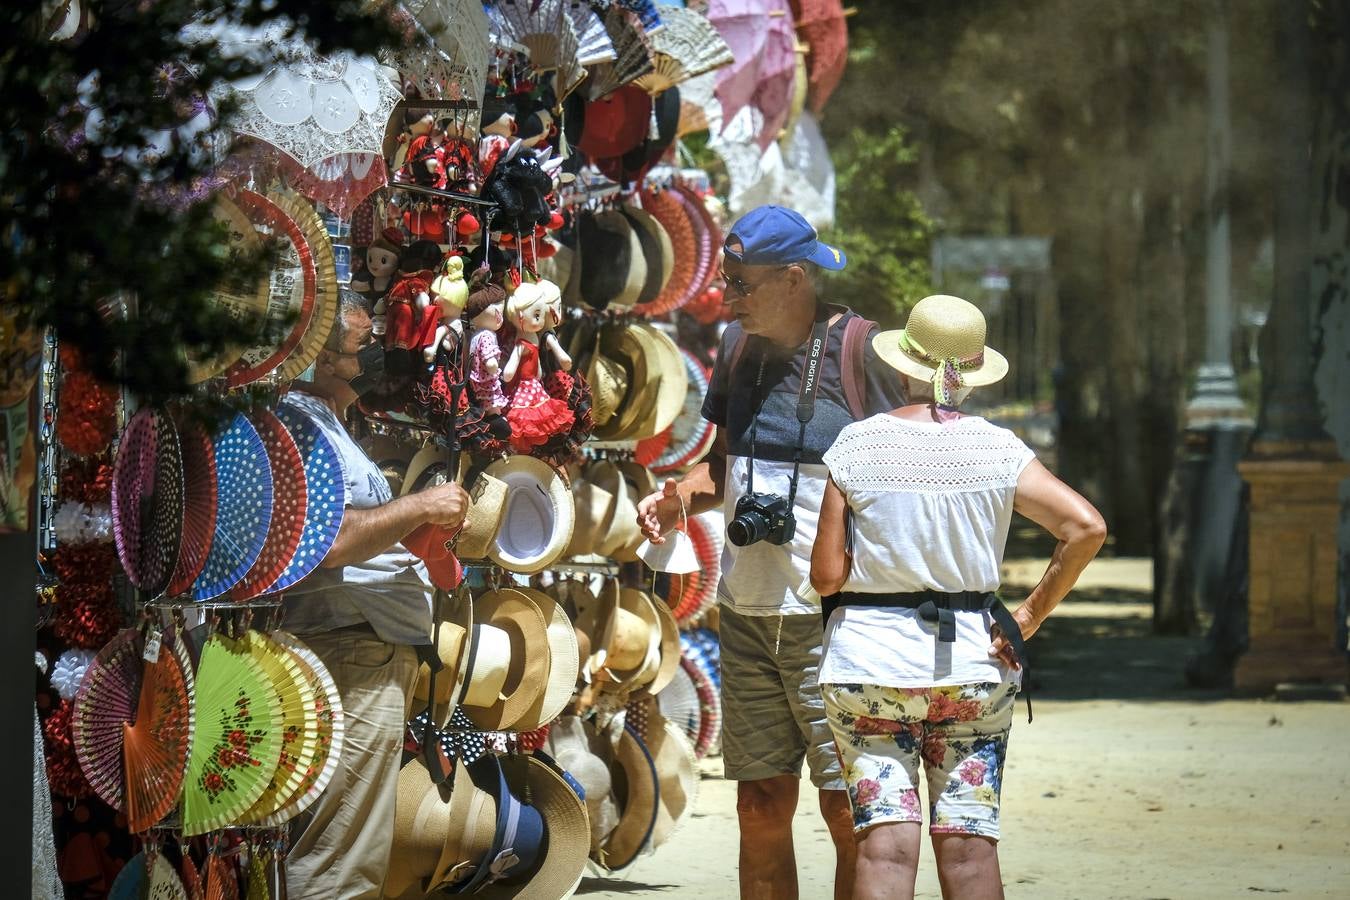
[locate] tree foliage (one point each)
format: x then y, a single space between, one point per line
104 149
880 224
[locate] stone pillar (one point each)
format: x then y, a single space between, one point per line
1292 595
1293 467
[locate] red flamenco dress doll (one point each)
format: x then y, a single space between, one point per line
534 415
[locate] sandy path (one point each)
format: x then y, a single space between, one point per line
1126 785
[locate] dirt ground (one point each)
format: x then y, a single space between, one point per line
1127 785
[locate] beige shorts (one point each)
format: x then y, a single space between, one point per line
773 716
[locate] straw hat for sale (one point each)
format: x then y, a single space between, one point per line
486 493
543 843
618 535
613 269
597 615
943 342
657 250
675 762
539 515
524 661
563 661
636 787
633 653
451 650
576 747
433 827
665 365
609 385
669 645
594 507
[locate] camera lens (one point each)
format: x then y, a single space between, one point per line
747 528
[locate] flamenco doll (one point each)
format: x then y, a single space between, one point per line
485 309
381 264
411 318
534 415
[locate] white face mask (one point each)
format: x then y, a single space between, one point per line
675 556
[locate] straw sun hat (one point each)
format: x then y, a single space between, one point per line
942 343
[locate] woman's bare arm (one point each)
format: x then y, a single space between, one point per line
829 560
1080 532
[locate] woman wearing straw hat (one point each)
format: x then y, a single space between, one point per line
907 556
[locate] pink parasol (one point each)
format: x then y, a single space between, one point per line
822 27
761 34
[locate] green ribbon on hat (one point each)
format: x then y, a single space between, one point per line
947 378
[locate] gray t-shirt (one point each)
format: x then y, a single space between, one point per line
389 591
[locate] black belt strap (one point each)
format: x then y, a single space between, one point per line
940 608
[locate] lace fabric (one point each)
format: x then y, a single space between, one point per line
46 881
884 454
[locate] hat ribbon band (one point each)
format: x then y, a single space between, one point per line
947 376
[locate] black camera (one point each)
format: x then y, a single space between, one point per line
762 517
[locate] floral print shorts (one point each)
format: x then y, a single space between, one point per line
959 732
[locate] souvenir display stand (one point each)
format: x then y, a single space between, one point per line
542 280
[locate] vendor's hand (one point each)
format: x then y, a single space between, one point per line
1002 648
445 504
659 512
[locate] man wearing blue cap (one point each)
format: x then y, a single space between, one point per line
791 372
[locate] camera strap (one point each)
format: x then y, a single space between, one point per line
806 403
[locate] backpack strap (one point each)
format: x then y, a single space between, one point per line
737 350
852 364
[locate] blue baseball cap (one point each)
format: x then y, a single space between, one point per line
775 236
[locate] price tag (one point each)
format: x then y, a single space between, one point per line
152 642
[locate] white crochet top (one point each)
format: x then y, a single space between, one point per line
932 504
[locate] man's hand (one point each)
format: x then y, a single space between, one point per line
659 512
445 504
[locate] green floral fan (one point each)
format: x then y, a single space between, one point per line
237 737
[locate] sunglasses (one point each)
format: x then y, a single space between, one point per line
744 289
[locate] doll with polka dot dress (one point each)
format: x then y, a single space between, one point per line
533 414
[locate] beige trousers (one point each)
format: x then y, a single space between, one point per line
340 846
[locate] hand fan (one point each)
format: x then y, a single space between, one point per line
688 429
679 703
105 702
540 26
328 710
710 707
244 489
199 503
155 747
257 874
593 43
192 880
299 724
143 878
222 883
236 740
633 52
689 45
325 494
147 500
316 332
291 289
709 240
288 507
666 208
697 592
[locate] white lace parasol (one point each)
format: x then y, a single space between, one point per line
458 62
313 107
809 177
757 177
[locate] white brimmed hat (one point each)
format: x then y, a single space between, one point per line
942 342
539 515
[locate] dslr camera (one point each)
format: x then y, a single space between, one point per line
762 517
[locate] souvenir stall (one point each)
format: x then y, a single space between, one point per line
506 197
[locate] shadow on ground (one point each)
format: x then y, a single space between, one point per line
615 886
1100 645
